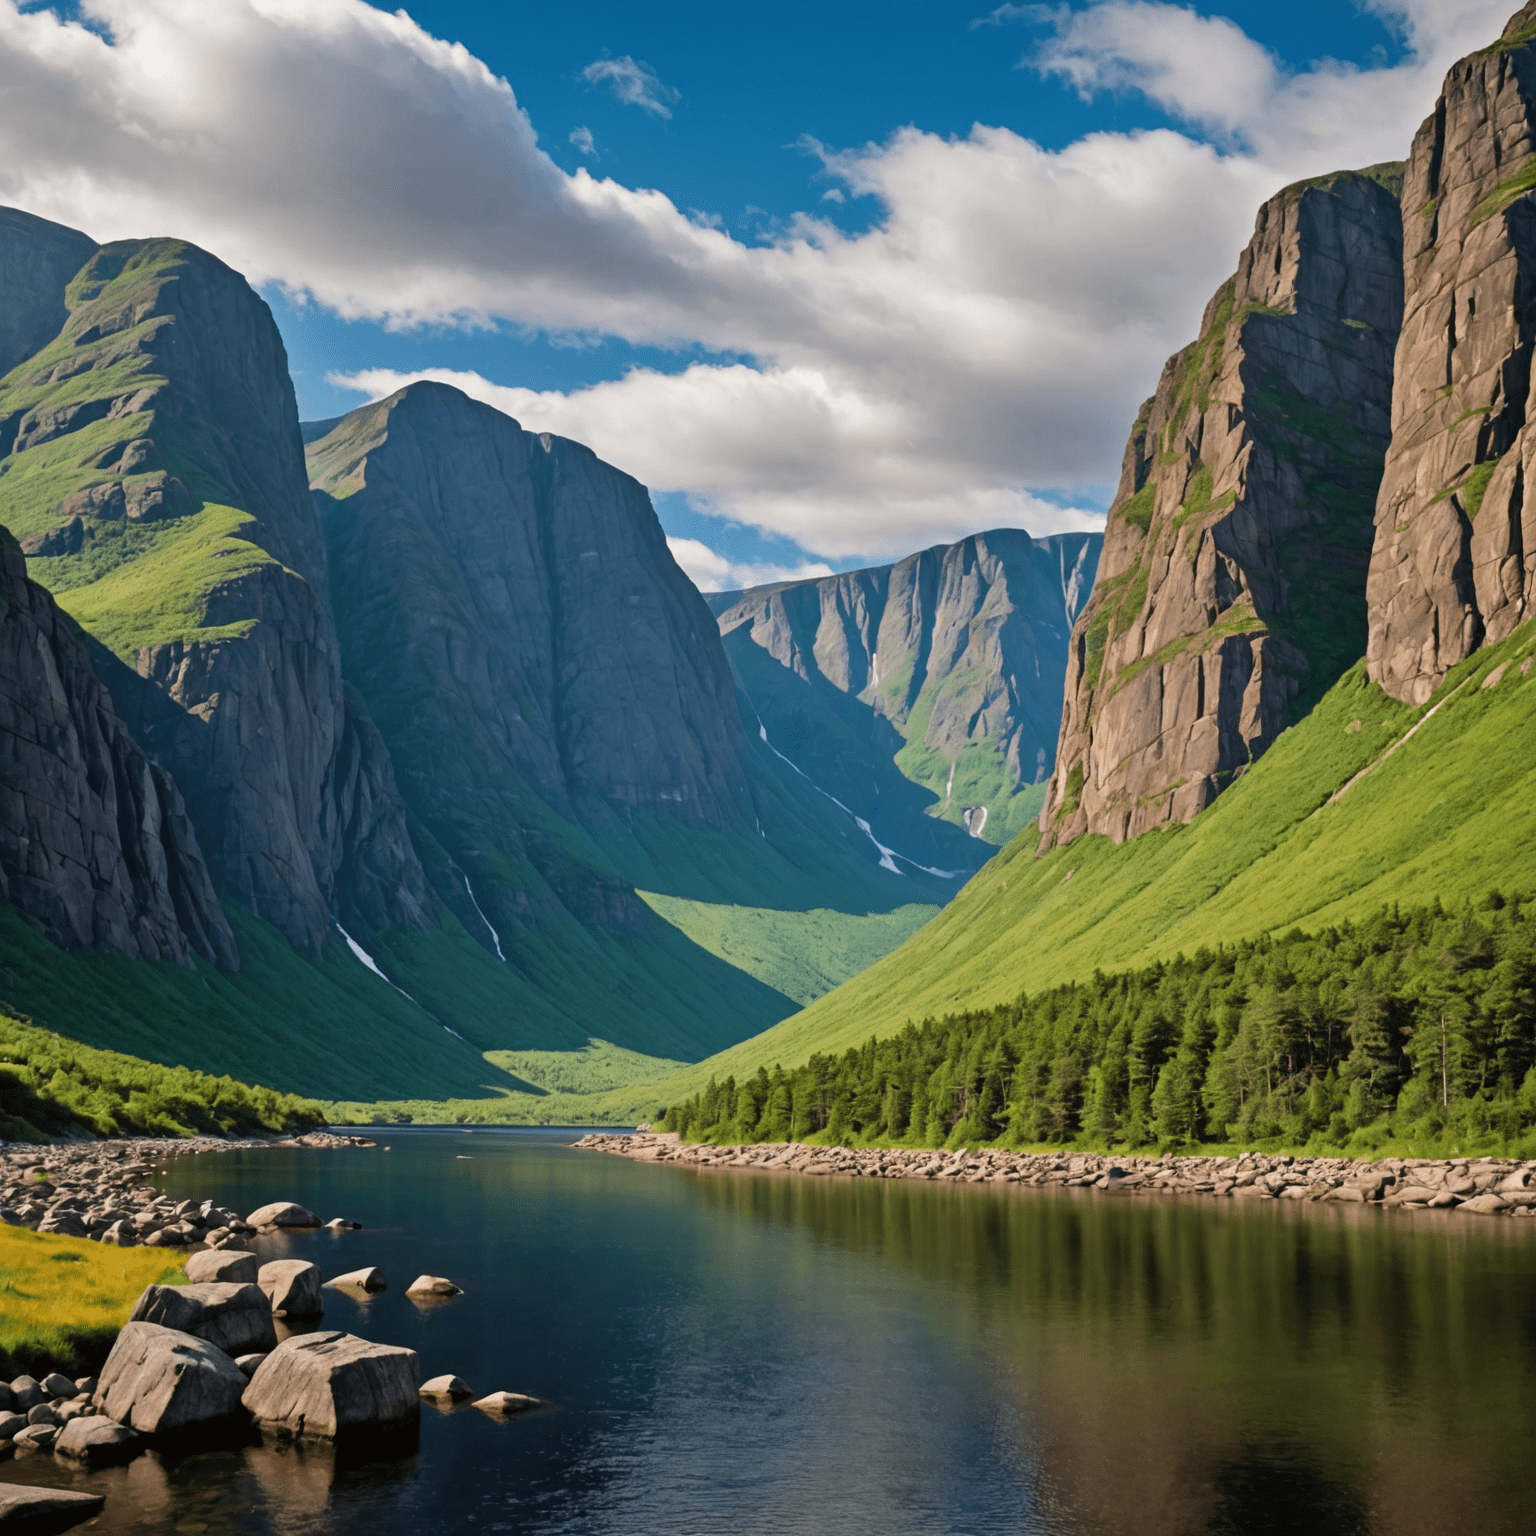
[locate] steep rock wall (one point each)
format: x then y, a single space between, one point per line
95 843
1454 564
1231 590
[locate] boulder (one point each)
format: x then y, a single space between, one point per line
158 1380
85 1384
282 1213
327 1384
36 1437
446 1386
1485 1205
27 1392
432 1285
292 1286
341 1224
248 1364
58 1386
11 1425
507 1403
98 1442
63 1224
237 1318
44 1509
368 1279
212 1266
42 1413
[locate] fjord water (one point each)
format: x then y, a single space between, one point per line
755 1353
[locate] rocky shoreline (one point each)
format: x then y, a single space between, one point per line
231 1353
1483 1186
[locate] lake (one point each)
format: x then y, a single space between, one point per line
760 1353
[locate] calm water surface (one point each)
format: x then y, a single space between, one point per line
755 1353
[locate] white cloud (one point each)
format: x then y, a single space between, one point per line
635 84
582 139
993 330
712 572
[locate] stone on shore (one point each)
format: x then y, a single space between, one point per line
327 1384
248 1364
217 1266
282 1213
1484 1205
97 1442
29 1510
27 1392
507 1403
57 1385
158 1380
341 1224
36 1437
432 1285
447 1386
236 1318
293 1287
11 1425
369 1279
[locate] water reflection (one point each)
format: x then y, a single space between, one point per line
754 1353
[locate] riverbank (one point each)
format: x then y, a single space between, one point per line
1477 1186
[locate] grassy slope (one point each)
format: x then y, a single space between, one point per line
63 1299
801 954
1448 814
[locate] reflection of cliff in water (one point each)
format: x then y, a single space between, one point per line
1222 1368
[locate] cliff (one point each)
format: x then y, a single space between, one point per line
946 666
95 845
1454 563
1231 591
154 472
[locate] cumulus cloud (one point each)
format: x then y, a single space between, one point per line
582 139
712 572
635 84
991 332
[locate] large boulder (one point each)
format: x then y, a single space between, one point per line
214 1266
237 1318
292 1286
158 1380
327 1384
282 1213
97 1442
370 1278
45 1509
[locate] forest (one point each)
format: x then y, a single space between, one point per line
1414 1028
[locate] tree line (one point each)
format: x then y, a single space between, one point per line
1413 1026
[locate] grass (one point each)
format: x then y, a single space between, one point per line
600 1067
801 954
63 1299
1510 189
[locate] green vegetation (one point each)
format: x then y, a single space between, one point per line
1512 187
50 1086
63 1299
1416 1028
1517 39
1137 510
1366 801
599 1067
1475 486
801 954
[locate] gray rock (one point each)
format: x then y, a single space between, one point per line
367 1279
446 1386
282 1213
58 1386
236 1318
248 1363
293 1287
327 1384
27 1392
158 1380
506 1403
222 1268
432 1285
42 1413
1233 578
64 1223
36 1437
1485 1205
97 1442
121 1234
43 1510
11 1425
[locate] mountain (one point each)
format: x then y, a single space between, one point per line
154 474
567 734
928 690
1454 564
1232 589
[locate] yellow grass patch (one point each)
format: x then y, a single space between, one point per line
62 1299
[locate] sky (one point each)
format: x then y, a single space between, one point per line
836 281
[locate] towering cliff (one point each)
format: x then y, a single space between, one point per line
1454 564
95 845
154 472
1231 592
947 665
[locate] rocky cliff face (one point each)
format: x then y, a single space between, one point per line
1231 592
546 678
956 654
154 470
1454 564
95 844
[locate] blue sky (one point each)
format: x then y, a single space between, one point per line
835 281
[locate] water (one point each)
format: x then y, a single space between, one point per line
757 1353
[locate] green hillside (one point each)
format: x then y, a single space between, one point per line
1366 802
